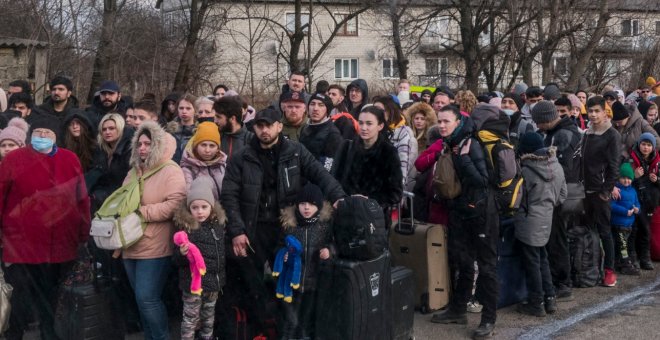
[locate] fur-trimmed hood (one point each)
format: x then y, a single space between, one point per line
163 146
541 162
426 109
184 220
288 215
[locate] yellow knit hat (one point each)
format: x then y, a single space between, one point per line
608 111
206 131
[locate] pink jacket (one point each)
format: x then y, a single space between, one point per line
215 170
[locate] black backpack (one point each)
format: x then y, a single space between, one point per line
584 247
359 228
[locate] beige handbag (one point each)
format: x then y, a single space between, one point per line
5 305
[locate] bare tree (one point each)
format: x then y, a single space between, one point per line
104 52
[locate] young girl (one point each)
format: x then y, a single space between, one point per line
183 127
308 221
421 119
203 219
13 136
203 158
80 137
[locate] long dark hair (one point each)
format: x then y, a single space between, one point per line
385 133
392 108
83 146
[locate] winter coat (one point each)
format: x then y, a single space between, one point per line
600 164
182 134
209 237
431 120
107 174
232 143
428 157
49 107
621 207
96 111
545 187
44 210
162 194
243 183
565 137
374 172
292 132
164 110
630 133
322 140
405 143
648 192
214 169
362 85
313 238
520 125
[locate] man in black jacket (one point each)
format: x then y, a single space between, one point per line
229 119
61 101
320 136
600 164
107 99
562 133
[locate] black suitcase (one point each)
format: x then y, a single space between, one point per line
353 299
403 303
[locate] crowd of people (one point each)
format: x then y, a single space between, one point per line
238 181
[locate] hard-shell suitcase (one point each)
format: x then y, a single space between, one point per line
353 299
422 247
403 303
510 270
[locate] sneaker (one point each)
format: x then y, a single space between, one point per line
448 316
485 330
533 309
629 269
609 279
564 294
646 264
550 303
474 307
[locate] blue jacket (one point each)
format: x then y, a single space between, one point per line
620 207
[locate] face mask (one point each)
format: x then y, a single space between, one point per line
531 106
508 112
41 144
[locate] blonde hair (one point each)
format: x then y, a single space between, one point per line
120 123
466 100
202 100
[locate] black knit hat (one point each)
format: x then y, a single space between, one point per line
516 98
46 121
530 142
619 112
311 194
324 99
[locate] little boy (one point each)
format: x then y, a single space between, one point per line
308 221
624 210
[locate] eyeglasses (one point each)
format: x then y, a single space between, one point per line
646 91
43 133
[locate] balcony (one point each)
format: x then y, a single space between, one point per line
624 44
435 44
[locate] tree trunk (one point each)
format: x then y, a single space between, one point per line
296 38
401 58
183 77
103 59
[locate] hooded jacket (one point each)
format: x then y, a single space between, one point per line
630 132
209 237
322 140
243 183
313 238
109 171
565 137
164 111
162 194
214 169
403 139
600 165
545 189
621 207
182 135
362 85
431 120
48 106
232 143
649 192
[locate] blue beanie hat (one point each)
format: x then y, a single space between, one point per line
647 137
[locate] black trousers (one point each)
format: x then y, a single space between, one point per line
640 237
557 248
599 213
472 240
299 316
537 273
35 285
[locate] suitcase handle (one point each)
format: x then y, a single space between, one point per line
406 231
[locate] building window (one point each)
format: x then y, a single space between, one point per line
390 68
629 28
291 21
560 66
436 71
350 27
346 69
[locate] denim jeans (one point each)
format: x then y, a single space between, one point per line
537 273
147 278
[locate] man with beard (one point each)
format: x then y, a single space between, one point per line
229 119
295 115
261 180
23 103
108 99
60 102
321 137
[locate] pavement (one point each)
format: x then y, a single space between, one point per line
621 312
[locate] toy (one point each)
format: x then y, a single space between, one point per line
197 265
289 271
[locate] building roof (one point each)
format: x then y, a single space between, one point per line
18 42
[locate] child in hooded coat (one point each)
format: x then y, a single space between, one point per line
624 210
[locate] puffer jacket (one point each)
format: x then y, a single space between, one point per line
232 143
242 185
405 143
566 137
313 238
213 169
649 192
630 133
162 194
621 206
322 140
545 186
209 237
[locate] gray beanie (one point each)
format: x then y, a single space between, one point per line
544 112
483 112
519 88
200 189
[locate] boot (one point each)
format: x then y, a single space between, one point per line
550 304
646 264
485 330
530 308
627 268
448 316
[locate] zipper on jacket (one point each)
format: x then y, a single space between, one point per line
217 187
286 175
217 254
304 265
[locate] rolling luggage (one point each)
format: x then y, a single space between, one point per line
422 247
510 269
403 301
353 299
